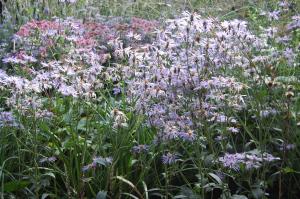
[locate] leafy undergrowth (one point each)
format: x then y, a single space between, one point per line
194 107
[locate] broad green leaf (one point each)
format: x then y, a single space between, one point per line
82 124
258 193
101 195
15 185
239 197
216 178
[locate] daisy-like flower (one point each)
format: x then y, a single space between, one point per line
116 90
188 135
233 130
250 159
274 15
7 119
48 159
169 158
287 147
142 148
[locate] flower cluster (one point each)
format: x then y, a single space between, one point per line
250 160
182 77
83 48
176 78
142 148
7 119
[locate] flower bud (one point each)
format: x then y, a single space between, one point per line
289 94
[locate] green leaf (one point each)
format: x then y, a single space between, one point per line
180 196
239 197
258 193
146 190
101 161
15 185
45 195
288 170
216 178
101 195
133 162
82 124
52 175
130 195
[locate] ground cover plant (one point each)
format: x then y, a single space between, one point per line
155 99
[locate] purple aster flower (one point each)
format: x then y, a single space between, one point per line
116 90
252 159
68 90
219 138
289 54
102 161
7 119
233 130
295 24
142 148
287 147
283 4
231 161
88 167
274 15
188 135
169 158
268 112
269 158
44 114
48 159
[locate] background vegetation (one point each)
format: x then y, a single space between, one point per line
57 143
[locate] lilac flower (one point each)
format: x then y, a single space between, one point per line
103 161
142 148
269 158
44 114
7 119
88 167
68 90
96 162
187 135
268 112
48 159
169 158
251 160
233 130
221 118
274 15
271 32
284 40
289 55
295 24
284 4
231 161
287 147
13 60
20 58
220 138
67 1
116 90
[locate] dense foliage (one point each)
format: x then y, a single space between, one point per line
126 107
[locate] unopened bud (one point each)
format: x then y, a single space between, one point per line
289 94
